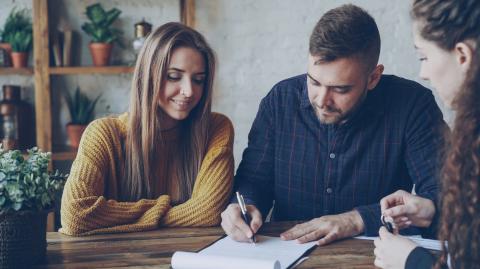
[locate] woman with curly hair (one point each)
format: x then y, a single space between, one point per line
447 36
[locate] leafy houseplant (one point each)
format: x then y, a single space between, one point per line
81 109
27 193
21 41
17 21
21 44
18 33
101 31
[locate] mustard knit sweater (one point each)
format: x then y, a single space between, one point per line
89 201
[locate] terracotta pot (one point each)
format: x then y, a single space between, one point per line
100 53
74 132
8 48
19 59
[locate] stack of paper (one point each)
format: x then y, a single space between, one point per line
267 253
426 243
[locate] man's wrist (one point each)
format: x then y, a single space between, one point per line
356 220
431 211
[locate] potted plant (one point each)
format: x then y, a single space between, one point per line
81 112
17 21
27 194
21 44
102 33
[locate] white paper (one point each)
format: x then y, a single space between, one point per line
192 260
267 253
423 242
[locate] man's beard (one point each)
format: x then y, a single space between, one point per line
336 115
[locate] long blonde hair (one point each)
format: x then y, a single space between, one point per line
144 119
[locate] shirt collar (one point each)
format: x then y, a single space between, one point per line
304 101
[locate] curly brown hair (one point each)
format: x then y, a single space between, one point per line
447 22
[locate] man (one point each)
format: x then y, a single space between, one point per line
326 146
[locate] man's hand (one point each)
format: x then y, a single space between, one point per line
326 229
234 225
391 251
407 209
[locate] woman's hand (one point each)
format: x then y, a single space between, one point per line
391 251
407 209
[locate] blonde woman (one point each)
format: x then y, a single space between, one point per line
168 161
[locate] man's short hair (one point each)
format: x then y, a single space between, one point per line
346 31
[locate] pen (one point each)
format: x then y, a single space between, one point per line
245 215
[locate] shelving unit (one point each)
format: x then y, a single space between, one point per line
78 70
42 73
16 71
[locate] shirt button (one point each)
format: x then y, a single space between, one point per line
332 155
329 190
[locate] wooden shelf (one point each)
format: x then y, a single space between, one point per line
27 71
45 74
78 70
64 154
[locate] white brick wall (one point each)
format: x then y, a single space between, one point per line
258 43
262 42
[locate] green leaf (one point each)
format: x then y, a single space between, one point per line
26 183
111 16
96 13
89 28
17 21
99 27
81 107
21 41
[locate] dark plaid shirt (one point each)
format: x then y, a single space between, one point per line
312 169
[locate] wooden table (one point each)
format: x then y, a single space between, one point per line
154 249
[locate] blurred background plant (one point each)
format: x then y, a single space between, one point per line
19 20
100 25
21 41
81 107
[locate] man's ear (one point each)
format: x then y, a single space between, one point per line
464 55
375 76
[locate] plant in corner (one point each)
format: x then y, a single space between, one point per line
102 33
81 109
27 194
18 35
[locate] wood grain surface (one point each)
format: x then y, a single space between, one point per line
154 249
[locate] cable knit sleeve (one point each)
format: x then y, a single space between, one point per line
213 184
85 210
